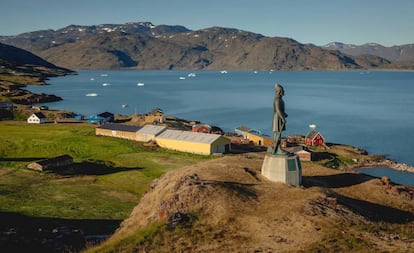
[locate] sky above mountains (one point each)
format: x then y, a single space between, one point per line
308 21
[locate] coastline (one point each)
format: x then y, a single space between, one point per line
22 98
14 80
15 77
33 98
388 164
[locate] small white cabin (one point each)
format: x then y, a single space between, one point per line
36 118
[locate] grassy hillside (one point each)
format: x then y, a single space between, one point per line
206 205
95 194
225 205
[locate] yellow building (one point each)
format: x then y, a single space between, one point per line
242 131
196 143
254 136
118 131
144 134
259 140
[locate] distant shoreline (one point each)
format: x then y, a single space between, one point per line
47 98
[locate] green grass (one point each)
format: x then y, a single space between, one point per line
107 181
137 239
20 79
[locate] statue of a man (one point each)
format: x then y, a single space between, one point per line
279 119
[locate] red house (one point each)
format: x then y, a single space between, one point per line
201 128
314 138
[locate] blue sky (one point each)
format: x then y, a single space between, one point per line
307 21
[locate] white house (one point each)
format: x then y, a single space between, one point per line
37 118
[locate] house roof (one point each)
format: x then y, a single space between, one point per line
106 114
189 136
201 125
312 134
255 132
119 127
151 129
39 115
294 149
243 128
53 160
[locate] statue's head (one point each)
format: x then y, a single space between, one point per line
279 89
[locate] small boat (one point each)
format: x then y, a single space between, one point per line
223 71
182 78
91 95
105 84
104 75
191 75
92 79
140 84
124 106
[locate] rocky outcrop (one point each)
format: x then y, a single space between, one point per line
226 205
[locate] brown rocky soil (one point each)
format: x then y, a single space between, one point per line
225 205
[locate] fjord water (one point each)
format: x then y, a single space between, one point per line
400 177
373 110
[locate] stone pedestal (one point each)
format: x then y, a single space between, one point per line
283 168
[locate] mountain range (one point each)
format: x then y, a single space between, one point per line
394 53
143 45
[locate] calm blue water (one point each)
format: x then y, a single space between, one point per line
395 175
373 110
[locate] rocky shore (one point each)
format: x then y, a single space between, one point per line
390 164
383 161
13 80
19 95
402 167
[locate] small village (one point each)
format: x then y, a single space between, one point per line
127 135
155 129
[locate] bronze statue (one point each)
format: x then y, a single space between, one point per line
279 119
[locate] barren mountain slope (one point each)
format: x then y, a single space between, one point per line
144 46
